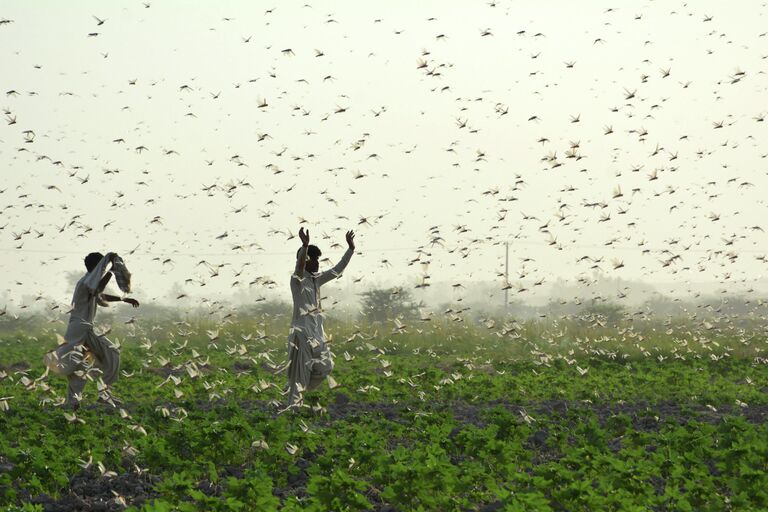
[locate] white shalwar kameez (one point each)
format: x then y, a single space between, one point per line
68 359
309 359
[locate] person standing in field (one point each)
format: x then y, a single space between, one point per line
309 359
71 359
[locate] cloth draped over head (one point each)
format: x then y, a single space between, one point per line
122 275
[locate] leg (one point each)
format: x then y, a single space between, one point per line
75 389
321 367
298 370
67 360
107 357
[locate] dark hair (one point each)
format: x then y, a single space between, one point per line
313 252
92 260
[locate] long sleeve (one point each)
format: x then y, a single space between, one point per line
93 278
336 271
301 261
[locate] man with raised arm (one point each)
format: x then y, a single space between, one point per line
309 359
69 359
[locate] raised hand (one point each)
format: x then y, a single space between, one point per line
304 235
351 239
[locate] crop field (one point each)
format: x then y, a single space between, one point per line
557 417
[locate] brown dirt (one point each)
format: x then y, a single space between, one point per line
90 492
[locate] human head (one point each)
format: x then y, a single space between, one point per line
313 258
92 260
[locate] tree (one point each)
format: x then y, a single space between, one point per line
380 305
610 312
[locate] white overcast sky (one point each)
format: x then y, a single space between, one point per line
443 157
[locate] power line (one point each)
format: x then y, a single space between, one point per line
390 249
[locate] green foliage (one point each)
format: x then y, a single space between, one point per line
338 491
254 490
453 418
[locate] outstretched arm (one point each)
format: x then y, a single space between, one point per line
115 298
336 271
301 260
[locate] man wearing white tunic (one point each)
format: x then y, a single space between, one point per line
309 359
69 359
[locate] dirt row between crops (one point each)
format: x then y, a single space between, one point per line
644 415
88 491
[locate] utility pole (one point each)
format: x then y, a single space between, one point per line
506 277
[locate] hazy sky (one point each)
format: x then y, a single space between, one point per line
352 134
